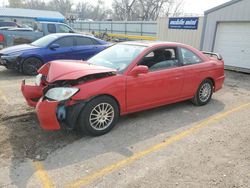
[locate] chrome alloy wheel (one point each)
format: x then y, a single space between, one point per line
101 116
205 92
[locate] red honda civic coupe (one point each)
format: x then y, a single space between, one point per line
125 78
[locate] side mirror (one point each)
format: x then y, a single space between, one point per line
140 69
71 31
54 46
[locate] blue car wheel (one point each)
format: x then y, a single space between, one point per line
31 65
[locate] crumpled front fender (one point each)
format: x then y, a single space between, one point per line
31 93
46 112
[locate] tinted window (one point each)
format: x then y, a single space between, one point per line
51 28
63 29
82 41
65 42
44 41
95 42
189 58
161 59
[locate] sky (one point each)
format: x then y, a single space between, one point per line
190 6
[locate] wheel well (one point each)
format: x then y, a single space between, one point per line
33 57
117 102
212 80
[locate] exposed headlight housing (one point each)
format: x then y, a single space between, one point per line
38 79
61 93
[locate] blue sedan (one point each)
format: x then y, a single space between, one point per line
28 58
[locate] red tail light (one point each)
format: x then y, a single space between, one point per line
1 38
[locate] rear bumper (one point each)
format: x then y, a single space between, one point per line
219 83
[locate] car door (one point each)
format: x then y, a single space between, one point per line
195 70
64 51
85 47
161 85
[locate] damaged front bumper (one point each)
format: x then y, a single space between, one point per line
52 115
46 113
31 93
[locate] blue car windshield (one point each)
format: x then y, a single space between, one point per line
117 57
44 41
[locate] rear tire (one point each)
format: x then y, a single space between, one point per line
31 65
204 93
99 116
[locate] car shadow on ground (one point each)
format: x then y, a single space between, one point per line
29 141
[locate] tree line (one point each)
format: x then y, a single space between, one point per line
125 10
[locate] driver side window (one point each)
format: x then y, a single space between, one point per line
65 42
159 59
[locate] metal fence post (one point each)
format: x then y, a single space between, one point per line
125 27
141 28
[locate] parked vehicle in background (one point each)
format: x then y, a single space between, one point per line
125 78
23 36
16 28
28 58
9 24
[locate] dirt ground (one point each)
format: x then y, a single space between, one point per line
218 156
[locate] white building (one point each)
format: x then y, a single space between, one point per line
28 16
226 30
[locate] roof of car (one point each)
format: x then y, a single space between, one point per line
150 43
70 34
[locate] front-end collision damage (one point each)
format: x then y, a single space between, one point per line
67 115
31 93
53 114
68 111
81 80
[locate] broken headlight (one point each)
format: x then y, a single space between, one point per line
38 79
61 93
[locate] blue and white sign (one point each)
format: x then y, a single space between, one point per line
183 23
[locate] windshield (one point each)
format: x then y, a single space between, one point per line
44 41
117 57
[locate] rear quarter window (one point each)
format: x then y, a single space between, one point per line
189 57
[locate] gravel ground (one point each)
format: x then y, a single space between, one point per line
217 156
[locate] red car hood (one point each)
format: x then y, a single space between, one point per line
70 70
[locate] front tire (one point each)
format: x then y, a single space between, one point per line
204 93
99 116
31 65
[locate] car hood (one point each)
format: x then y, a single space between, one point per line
17 49
70 70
